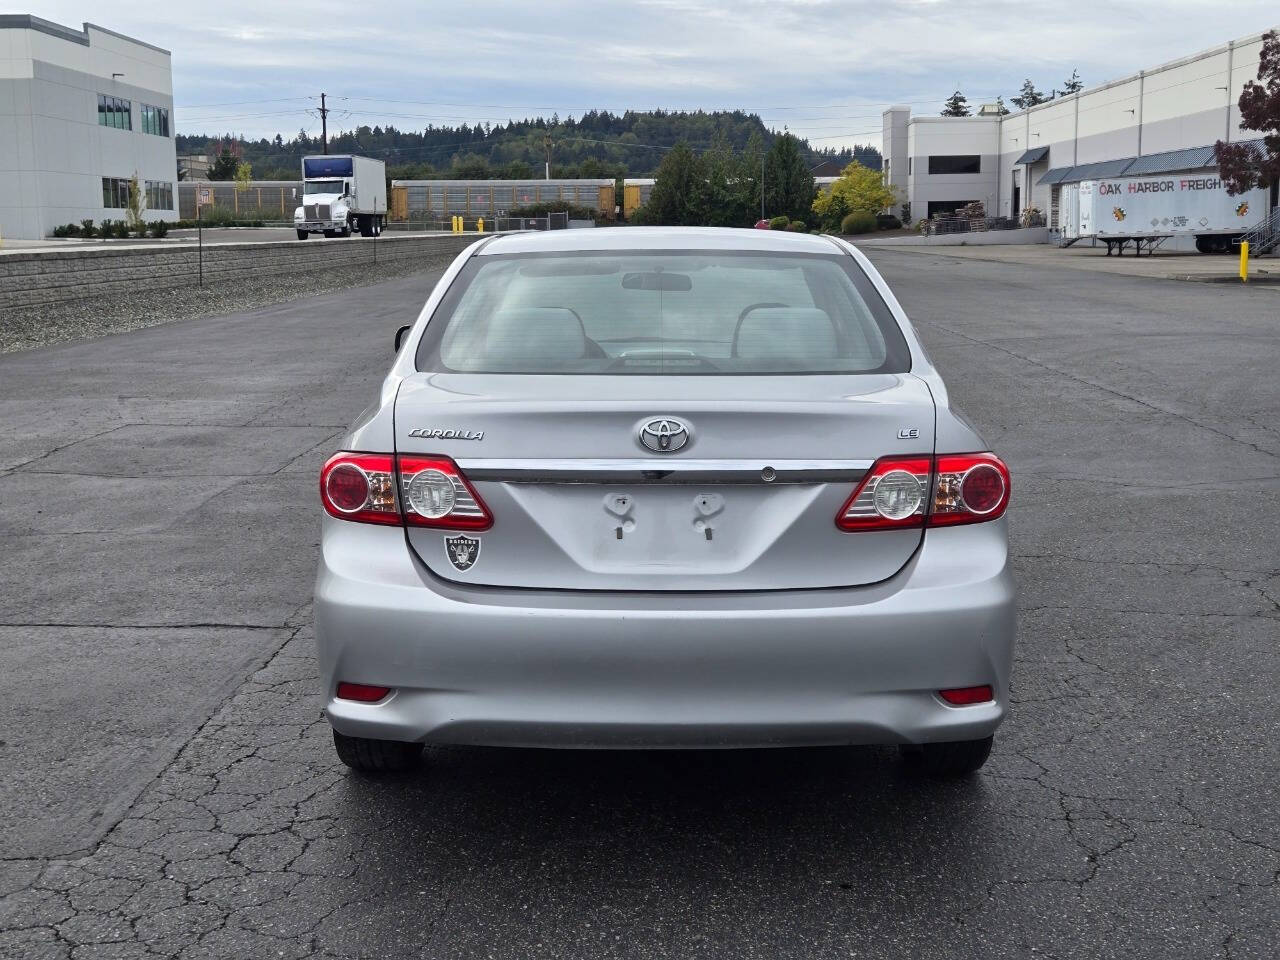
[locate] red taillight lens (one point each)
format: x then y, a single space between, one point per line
891 496
969 488
436 494
361 692
432 492
360 487
905 492
967 696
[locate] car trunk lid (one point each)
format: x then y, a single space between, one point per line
743 496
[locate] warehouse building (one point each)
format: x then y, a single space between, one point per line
1162 120
81 112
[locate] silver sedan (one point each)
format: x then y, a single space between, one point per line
651 487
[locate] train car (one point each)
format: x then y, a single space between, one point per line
438 199
635 193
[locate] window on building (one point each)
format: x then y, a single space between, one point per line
155 120
955 163
159 195
937 207
115 192
114 112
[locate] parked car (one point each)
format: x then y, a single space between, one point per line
663 487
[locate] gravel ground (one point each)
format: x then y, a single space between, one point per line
30 327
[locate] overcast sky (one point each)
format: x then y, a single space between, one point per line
823 68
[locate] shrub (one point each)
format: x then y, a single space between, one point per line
107 229
906 212
60 231
87 229
887 221
860 221
158 228
779 223
797 226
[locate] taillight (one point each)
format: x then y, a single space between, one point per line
360 487
436 494
970 488
906 492
432 492
891 496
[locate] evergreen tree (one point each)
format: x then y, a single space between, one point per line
1028 97
956 106
676 199
1073 85
788 184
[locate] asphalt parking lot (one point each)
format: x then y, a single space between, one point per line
169 788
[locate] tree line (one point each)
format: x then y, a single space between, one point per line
599 144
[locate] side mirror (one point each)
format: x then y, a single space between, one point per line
400 335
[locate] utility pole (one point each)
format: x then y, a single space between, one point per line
546 143
324 126
762 156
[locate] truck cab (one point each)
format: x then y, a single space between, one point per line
341 194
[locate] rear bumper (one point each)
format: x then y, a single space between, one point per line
572 669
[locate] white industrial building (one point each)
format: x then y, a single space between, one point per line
1162 120
81 112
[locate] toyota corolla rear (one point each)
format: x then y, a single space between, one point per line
663 488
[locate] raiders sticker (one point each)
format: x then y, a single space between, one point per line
462 551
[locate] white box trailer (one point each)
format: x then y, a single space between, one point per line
341 194
1149 210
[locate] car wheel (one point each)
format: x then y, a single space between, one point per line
957 759
303 234
376 756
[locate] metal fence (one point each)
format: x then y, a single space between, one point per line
943 224
263 200
553 221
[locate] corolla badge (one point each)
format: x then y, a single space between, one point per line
664 435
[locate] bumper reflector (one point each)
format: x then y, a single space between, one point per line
966 696
362 692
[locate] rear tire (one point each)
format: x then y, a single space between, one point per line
960 758
376 756
303 234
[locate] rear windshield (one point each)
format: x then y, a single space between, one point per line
668 312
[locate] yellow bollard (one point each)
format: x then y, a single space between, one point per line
1244 261
480 225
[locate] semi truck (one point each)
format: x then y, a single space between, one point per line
341 195
1150 210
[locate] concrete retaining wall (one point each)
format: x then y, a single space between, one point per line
32 279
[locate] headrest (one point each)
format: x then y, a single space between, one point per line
785 333
535 333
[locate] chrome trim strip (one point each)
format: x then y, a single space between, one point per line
664 471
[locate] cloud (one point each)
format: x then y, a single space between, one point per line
823 68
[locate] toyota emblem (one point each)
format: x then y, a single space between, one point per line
664 435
